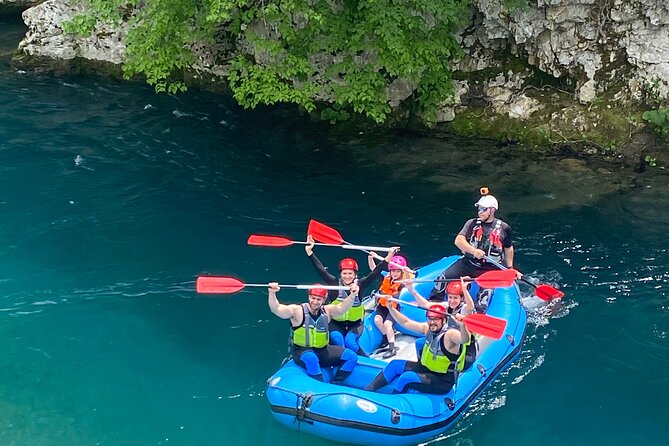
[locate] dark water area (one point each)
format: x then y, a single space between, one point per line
114 199
12 31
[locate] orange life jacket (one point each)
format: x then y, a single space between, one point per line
391 288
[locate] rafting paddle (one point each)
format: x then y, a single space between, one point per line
489 279
229 285
543 291
325 234
480 324
279 242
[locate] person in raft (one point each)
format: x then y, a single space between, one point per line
345 329
390 287
442 354
310 335
459 301
482 236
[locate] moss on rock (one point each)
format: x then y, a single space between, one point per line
561 120
77 65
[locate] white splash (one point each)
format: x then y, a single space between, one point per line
537 363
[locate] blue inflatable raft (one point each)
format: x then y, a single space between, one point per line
348 414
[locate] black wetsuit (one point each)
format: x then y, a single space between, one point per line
469 265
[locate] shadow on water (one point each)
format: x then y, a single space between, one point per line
13 30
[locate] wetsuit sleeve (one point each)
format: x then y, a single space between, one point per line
325 275
466 230
507 241
375 274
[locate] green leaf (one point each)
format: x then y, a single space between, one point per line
346 52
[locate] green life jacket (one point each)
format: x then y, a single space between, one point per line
434 358
355 313
312 333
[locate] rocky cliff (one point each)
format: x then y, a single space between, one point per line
17 5
551 72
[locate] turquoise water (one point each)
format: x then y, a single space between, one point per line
115 199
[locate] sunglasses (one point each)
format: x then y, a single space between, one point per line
482 209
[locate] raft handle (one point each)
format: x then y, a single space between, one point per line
301 409
482 369
449 402
510 338
395 416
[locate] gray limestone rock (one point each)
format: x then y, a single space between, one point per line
594 43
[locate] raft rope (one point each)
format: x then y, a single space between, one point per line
301 411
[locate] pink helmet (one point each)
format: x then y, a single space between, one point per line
397 262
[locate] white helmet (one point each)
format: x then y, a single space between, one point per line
487 201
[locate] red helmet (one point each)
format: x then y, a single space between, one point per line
317 290
436 311
454 288
397 262
348 263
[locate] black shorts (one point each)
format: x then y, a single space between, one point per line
430 382
461 268
385 313
328 356
382 311
345 327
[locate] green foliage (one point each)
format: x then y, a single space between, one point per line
516 5
81 25
653 88
610 148
345 52
334 115
660 119
161 34
253 85
650 160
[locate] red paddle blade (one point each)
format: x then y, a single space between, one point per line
218 285
484 325
547 292
268 240
324 234
497 278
